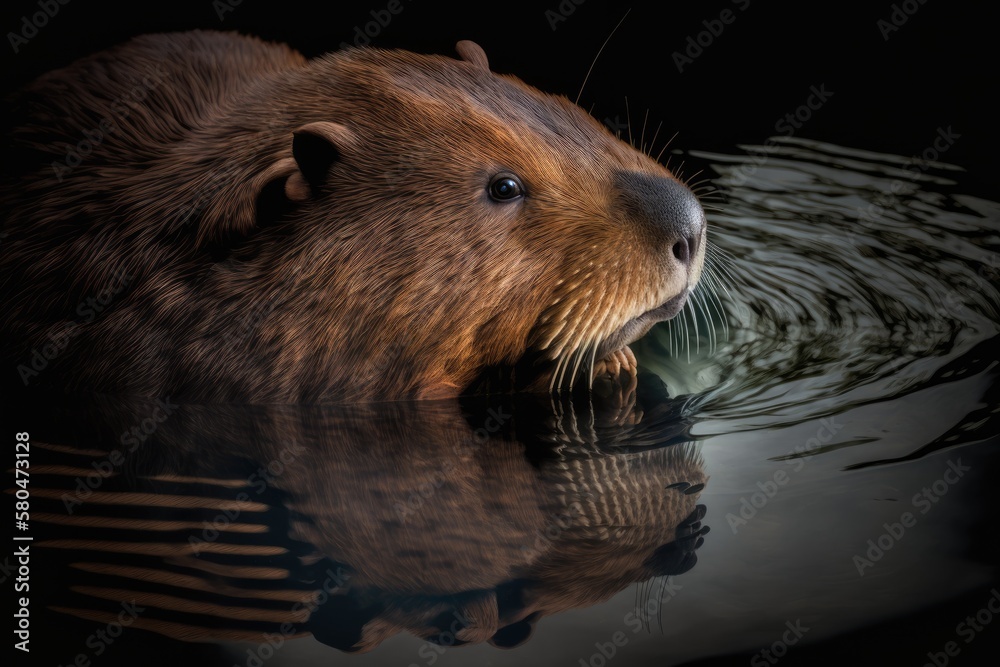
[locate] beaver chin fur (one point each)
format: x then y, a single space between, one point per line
248 225
639 326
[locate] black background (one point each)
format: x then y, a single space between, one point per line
937 70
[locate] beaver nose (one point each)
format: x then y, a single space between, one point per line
666 209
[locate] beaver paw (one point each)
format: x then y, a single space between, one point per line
616 363
615 379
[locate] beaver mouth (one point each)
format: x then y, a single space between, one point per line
637 327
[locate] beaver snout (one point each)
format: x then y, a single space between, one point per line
667 210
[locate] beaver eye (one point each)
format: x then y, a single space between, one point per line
505 187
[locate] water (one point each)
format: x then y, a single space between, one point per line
834 423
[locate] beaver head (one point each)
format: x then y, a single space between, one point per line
461 219
370 223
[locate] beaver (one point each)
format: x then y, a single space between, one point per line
455 521
209 216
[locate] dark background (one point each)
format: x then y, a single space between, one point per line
937 70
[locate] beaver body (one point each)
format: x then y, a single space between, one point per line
206 215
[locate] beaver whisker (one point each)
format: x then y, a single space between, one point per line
628 123
713 281
670 337
572 361
711 300
555 376
652 142
560 371
687 181
712 272
694 324
580 337
687 335
590 366
664 149
697 184
257 160
578 355
590 354
697 299
642 135
720 260
723 253
575 358
707 301
599 52
713 340
659 608
706 187
725 265
552 336
679 340
589 346
679 171
683 336
563 361
715 199
711 195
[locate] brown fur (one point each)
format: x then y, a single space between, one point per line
298 230
429 520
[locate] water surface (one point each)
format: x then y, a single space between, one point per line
828 407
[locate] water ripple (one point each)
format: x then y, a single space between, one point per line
852 277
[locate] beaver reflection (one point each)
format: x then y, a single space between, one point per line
454 522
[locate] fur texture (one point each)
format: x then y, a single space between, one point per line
248 225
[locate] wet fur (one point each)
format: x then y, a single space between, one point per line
555 511
367 265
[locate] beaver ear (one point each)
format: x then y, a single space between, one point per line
471 52
315 147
